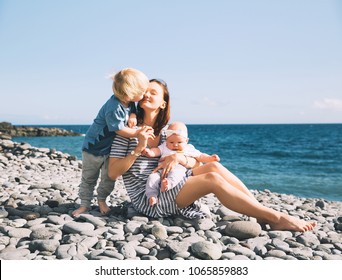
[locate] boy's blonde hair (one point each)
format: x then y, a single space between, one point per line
129 83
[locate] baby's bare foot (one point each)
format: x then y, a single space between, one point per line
287 222
164 185
152 200
79 211
104 209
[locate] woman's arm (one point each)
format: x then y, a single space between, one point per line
118 166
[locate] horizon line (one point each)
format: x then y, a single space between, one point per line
306 123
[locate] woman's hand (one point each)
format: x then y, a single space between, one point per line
118 166
167 164
143 134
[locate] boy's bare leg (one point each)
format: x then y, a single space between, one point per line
164 185
104 209
79 211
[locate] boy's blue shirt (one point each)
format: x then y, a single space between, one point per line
113 116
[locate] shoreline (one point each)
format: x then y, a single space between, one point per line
300 166
7 131
39 190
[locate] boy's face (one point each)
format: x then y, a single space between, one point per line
138 97
176 142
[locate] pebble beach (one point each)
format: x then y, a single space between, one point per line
39 191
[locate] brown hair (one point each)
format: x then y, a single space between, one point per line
163 115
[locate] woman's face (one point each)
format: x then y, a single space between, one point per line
153 98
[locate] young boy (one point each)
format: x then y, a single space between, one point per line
176 142
129 86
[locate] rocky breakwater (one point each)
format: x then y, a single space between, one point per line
7 130
38 192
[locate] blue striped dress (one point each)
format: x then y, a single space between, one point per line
135 183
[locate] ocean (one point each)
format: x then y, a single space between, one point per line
300 159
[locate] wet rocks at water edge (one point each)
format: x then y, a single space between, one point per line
39 191
7 131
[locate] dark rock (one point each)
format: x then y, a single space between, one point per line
52 203
27 215
338 226
8 130
320 204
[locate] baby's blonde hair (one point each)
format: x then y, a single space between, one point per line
129 83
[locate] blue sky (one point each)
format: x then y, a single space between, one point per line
233 62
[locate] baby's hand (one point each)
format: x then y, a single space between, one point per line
215 157
147 152
132 121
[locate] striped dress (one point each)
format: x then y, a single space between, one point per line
135 183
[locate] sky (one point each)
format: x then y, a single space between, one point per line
225 62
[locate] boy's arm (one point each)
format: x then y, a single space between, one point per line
127 132
116 121
132 120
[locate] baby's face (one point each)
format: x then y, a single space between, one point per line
176 142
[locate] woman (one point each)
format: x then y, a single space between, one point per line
126 160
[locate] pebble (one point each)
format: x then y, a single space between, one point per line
243 229
128 251
77 227
44 245
159 232
206 250
39 191
3 212
176 246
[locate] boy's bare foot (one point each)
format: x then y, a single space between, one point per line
79 211
104 209
287 222
164 185
152 200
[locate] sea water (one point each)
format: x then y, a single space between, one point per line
300 159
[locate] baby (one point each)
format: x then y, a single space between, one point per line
176 142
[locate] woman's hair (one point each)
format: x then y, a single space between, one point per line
129 83
163 115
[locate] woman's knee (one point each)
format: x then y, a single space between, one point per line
214 180
214 166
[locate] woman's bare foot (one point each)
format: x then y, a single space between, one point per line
104 209
79 211
164 185
287 222
152 200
